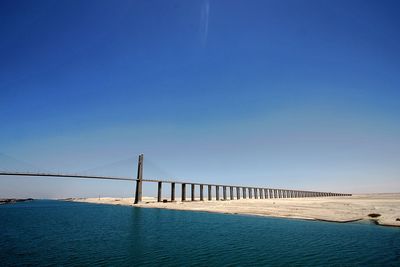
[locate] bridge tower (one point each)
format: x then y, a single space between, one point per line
139 182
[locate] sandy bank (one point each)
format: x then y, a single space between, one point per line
335 209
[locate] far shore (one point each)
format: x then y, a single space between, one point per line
382 209
4 201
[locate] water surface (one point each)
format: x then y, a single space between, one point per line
76 234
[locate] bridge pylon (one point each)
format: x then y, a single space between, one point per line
139 181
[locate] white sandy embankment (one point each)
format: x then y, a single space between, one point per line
335 209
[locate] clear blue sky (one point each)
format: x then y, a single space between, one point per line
289 94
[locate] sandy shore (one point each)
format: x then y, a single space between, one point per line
336 209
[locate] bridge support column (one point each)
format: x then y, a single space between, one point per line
183 192
231 192
159 193
237 192
209 192
224 192
261 193
244 192
201 193
139 182
172 191
193 194
217 192
250 193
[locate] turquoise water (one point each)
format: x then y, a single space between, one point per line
76 234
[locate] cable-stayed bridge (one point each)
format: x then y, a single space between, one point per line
235 192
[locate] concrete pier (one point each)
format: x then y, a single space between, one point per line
172 191
217 192
201 193
231 192
224 192
244 192
209 192
237 192
159 193
250 193
183 192
255 193
193 194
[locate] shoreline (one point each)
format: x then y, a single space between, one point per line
335 209
7 201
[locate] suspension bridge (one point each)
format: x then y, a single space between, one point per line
229 192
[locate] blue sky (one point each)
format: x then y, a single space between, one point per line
289 94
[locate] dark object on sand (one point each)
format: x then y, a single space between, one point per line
374 215
165 201
398 220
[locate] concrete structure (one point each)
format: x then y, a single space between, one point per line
247 192
201 193
139 181
224 192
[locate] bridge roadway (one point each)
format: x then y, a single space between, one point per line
256 192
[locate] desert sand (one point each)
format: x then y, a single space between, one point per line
335 209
